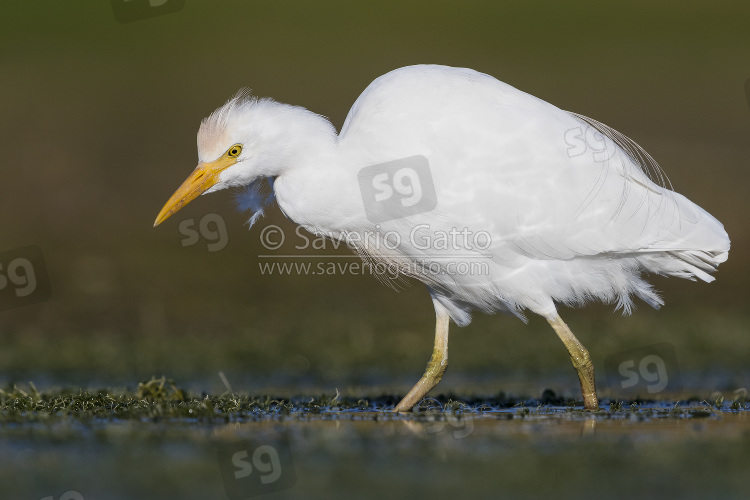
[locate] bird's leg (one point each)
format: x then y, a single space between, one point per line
581 362
435 368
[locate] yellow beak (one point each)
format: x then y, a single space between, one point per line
203 178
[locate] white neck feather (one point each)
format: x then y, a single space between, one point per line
290 137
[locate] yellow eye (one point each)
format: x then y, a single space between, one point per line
234 151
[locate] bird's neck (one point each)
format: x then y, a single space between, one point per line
301 153
294 139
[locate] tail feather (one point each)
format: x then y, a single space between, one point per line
700 243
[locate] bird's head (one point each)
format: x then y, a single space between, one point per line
230 152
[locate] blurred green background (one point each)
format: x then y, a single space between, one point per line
98 129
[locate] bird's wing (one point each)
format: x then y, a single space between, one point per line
542 182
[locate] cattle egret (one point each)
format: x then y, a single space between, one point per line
495 199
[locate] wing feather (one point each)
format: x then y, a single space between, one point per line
549 187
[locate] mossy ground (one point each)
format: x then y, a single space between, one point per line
160 441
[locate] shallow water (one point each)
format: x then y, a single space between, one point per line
689 451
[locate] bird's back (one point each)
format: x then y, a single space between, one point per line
572 210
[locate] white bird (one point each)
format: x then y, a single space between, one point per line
495 199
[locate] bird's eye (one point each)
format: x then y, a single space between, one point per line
234 151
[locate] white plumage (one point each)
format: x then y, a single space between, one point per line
569 209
